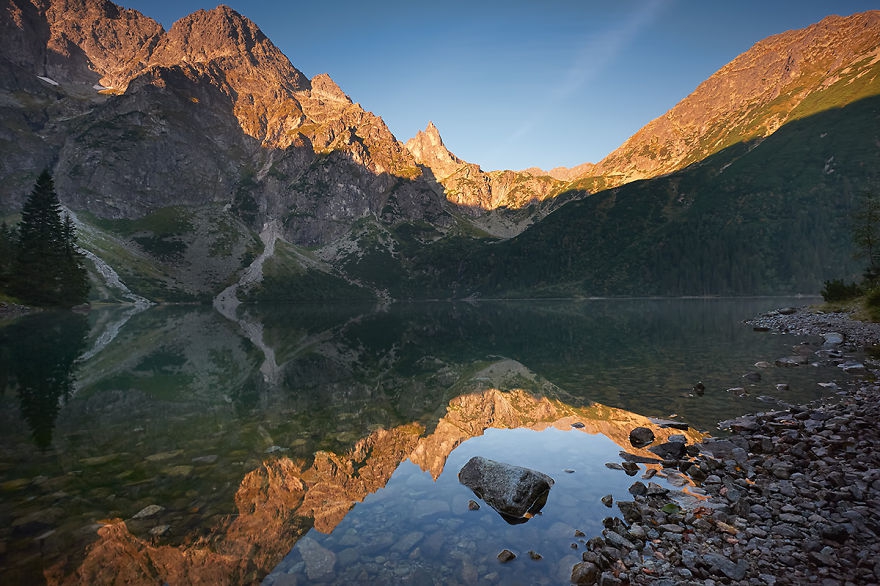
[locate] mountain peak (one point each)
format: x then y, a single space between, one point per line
225 23
207 35
83 41
428 149
323 86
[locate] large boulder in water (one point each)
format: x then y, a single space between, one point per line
641 437
517 493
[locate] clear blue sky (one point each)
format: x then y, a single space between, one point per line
517 83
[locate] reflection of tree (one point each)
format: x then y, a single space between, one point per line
37 356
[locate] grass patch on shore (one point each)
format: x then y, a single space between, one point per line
862 308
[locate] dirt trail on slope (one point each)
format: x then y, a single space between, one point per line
226 303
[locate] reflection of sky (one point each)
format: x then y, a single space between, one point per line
411 503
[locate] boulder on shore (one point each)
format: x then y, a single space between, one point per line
517 493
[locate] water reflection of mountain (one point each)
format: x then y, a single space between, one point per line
282 498
175 411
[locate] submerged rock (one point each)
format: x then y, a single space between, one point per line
832 339
585 573
319 560
148 511
517 493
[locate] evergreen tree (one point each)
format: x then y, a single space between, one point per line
866 233
48 270
8 252
74 276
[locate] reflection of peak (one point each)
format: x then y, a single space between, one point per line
274 499
470 415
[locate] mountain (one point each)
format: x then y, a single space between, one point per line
199 160
783 78
212 81
766 216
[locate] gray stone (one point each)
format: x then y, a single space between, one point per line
609 579
618 540
641 437
669 450
408 541
636 489
852 366
832 339
631 468
210 459
719 563
517 493
630 511
655 489
585 573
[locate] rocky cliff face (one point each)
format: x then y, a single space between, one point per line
133 118
780 79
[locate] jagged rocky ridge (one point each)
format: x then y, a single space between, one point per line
207 112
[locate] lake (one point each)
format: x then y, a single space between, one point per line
322 444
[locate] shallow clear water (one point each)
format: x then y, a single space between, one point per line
322 444
421 531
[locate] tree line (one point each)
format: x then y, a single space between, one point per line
40 263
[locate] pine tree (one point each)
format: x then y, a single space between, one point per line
866 233
48 270
8 252
74 278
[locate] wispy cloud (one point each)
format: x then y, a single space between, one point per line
590 61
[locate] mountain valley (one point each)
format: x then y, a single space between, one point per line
177 149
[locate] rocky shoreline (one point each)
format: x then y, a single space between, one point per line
790 497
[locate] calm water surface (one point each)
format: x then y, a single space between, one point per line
322 444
